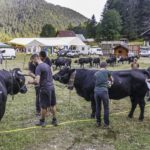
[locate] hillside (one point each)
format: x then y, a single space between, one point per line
25 18
135 15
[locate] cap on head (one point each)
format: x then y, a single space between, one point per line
103 65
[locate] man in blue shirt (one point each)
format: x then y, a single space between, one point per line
102 78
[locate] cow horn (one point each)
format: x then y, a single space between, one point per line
20 73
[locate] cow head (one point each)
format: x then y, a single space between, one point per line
63 75
17 81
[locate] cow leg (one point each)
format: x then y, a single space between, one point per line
134 104
93 107
142 108
91 64
2 107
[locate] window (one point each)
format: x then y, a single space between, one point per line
120 51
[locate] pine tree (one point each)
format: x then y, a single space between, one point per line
91 27
48 31
110 27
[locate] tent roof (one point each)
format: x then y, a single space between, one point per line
57 41
81 36
2 45
21 41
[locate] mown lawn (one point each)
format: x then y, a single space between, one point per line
124 134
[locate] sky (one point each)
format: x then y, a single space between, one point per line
85 7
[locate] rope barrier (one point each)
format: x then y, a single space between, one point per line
63 123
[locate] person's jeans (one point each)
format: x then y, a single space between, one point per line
102 96
37 101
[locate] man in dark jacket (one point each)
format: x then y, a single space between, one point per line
102 78
32 67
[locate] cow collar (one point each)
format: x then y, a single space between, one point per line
13 82
72 79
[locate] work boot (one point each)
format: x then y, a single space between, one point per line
41 123
98 124
106 126
54 122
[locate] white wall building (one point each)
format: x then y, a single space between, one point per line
35 45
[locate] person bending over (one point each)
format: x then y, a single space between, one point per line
102 79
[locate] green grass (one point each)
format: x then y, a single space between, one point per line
125 134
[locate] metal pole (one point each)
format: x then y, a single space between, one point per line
70 100
6 63
24 61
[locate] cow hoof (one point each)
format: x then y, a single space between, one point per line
141 119
130 116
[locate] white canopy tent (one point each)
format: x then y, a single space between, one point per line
34 45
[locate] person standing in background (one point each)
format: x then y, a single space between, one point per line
135 64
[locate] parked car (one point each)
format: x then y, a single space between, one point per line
145 51
84 50
131 54
73 54
96 51
8 53
62 53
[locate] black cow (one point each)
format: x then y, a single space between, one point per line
96 61
60 62
111 61
126 83
123 59
131 59
83 61
11 83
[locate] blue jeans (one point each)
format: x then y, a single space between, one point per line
102 97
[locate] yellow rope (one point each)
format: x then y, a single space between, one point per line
64 123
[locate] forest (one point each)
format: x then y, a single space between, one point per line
25 18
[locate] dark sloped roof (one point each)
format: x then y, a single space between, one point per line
66 33
123 46
144 33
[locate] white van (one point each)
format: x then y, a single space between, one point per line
96 51
145 51
8 53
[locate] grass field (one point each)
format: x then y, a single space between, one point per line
124 134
